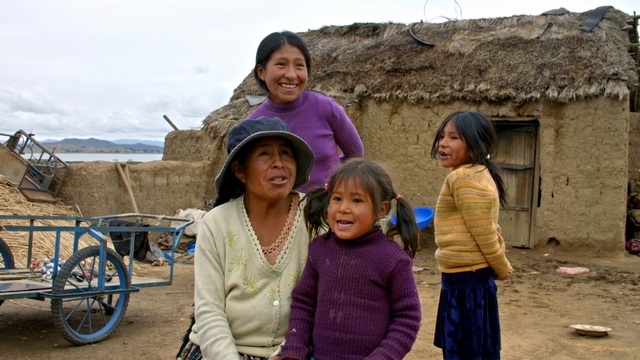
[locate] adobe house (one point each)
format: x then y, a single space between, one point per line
565 102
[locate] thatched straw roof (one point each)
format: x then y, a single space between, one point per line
519 58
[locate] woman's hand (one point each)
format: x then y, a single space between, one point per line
275 357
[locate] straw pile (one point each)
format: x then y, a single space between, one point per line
12 202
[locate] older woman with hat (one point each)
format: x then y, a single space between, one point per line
251 246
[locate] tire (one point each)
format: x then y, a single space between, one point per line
88 319
6 258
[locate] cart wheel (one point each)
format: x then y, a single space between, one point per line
6 258
82 317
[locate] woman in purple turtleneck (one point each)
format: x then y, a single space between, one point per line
282 69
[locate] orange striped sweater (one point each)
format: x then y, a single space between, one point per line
466 223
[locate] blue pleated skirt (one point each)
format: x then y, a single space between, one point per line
468 322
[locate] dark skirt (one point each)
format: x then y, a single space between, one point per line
468 323
191 351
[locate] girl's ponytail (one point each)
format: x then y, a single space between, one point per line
377 183
494 170
405 226
315 212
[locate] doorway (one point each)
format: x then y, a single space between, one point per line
516 152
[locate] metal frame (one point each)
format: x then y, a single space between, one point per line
26 283
45 170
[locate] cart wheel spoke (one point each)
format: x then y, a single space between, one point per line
83 316
79 286
103 310
72 310
87 311
108 308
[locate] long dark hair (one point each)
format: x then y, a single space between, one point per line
480 135
377 183
273 42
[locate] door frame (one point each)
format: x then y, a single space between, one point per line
535 187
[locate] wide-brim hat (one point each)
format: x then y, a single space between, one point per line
228 186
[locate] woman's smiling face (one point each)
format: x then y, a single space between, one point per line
285 74
453 150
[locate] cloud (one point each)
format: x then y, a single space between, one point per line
111 70
201 69
37 101
190 104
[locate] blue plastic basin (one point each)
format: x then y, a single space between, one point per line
423 216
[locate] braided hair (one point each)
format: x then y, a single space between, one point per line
377 183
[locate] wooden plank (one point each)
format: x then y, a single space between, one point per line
12 165
6 277
31 193
25 287
515 166
15 271
515 152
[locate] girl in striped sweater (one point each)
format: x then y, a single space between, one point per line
471 250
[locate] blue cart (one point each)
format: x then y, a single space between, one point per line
89 291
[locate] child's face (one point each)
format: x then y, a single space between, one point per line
351 210
285 74
452 149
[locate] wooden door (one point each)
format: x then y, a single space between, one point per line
515 152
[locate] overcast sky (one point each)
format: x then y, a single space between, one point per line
112 69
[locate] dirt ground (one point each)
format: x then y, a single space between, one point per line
537 307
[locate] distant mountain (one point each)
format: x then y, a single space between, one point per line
93 145
133 141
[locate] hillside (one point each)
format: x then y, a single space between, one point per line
92 145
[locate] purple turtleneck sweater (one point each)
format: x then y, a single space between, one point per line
324 125
357 299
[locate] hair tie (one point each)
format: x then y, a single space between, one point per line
398 197
326 187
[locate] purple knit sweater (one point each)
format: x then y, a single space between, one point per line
323 124
357 299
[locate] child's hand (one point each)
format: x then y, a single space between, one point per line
504 277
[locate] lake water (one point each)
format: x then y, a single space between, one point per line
82 157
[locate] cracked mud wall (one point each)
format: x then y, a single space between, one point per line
584 173
159 187
583 149
187 145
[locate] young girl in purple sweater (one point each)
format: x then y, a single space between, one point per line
357 297
282 68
